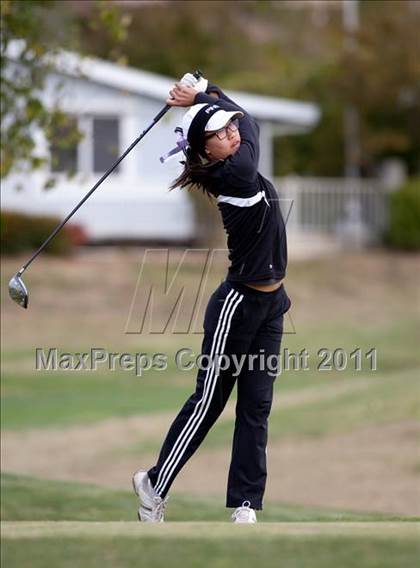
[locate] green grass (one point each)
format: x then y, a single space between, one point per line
248 548
396 343
60 399
388 398
57 399
32 499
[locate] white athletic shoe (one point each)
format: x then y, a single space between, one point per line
244 514
152 506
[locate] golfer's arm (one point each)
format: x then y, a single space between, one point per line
247 158
214 92
242 167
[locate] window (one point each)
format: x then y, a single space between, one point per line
92 148
106 144
63 146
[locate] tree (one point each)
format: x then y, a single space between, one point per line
380 77
297 50
35 31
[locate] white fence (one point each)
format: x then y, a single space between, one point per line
350 209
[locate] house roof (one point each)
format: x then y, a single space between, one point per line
290 113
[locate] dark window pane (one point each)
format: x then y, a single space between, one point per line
106 143
63 147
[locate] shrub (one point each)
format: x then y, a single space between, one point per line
21 233
404 217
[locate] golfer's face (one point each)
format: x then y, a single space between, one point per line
223 143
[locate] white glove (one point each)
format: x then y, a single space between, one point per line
200 85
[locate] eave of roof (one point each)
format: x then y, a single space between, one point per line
152 85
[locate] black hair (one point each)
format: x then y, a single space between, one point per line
196 173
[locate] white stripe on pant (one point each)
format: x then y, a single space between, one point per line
232 301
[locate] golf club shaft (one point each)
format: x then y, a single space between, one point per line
156 119
97 184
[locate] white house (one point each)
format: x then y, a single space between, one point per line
113 104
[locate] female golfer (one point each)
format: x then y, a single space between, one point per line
244 316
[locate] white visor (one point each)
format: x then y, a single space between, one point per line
217 121
221 118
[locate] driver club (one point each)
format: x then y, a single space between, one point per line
17 289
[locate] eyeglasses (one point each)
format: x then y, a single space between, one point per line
222 133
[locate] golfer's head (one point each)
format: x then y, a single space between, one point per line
211 131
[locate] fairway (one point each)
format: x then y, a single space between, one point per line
221 545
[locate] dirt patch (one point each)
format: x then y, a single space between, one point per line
373 469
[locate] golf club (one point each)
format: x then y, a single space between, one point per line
17 289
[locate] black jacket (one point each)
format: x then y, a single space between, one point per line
249 205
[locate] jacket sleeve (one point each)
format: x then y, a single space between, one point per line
240 170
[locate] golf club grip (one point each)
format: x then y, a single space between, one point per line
197 74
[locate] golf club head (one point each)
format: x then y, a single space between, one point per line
18 291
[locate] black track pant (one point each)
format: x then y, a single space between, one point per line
238 321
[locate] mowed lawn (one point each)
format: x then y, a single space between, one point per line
36 530
207 545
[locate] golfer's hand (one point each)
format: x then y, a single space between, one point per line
181 95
